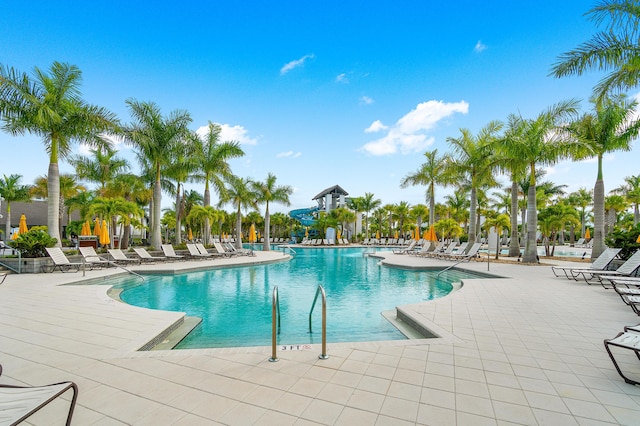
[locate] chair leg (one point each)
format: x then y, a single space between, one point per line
607 343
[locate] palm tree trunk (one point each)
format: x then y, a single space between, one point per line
207 224
598 219
53 204
514 245
636 215
238 228
126 235
432 212
7 227
531 247
472 218
156 234
178 217
266 245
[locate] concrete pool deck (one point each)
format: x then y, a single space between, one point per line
525 349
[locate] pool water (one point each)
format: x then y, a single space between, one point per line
235 303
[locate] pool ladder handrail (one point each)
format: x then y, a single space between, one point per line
275 319
321 291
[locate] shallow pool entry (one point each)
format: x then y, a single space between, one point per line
235 303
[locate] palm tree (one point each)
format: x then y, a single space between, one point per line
615 50
179 172
430 173
611 127
418 213
199 216
344 216
544 141
68 188
82 202
614 204
581 198
357 205
239 193
155 137
472 159
131 188
101 169
401 213
631 191
110 209
499 222
267 192
11 190
212 158
368 204
50 105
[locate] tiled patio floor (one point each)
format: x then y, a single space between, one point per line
522 350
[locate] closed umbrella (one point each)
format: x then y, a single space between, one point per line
587 234
377 235
396 235
96 228
339 234
190 236
431 234
86 229
306 232
638 240
252 233
416 233
22 227
104 234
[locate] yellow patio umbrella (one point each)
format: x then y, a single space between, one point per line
258 235
306 232
377 235
431 234
252 233
190 236
587 234
15 235
339 234
86 229
395 235
22 227
104 234
96 228
638 240
416 233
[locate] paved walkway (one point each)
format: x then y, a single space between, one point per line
526 349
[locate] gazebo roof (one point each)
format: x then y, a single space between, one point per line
336 189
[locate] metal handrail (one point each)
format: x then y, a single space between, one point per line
275 318
320 290
19 270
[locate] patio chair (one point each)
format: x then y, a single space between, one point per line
146 257
625 340
194 253
170 253
119 257
627 269
601 263
18 403
473 252
202 249
230 248
221 250
61 261
446 252
92 259
407 249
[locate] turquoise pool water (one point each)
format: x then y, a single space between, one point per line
235 303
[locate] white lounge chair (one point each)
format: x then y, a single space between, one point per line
146 257
473 252
407 249
119 257
92 259
601 263
170 253
627 269
61 261
195 253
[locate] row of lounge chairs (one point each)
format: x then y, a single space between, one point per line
451 252
626 283
324 242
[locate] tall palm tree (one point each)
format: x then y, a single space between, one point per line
431 173
615 50
179 172
110 209
369 203
240 194
101 169
544 141
418 213
581 198
611 127
155 137
268 192
357 205
631 191
11 190
50 105
473 160
133 189
212 157
68 188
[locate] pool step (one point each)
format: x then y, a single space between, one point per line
172 339
406 326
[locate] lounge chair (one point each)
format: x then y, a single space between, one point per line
146 257
170 253
446 252
407 249
61 261
221 251
579 243
121 258
473 252
601 263
92 259
18 403
627 269
230 248
202 249
194 253
625 340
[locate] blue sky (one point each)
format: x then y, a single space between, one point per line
318 93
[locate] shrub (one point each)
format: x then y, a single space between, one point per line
624 239
33 242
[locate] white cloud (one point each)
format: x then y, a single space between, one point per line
231 133
295 64
409 134
288 154
376 126
366 100
479 47
342 78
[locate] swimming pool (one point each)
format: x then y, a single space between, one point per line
235 303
